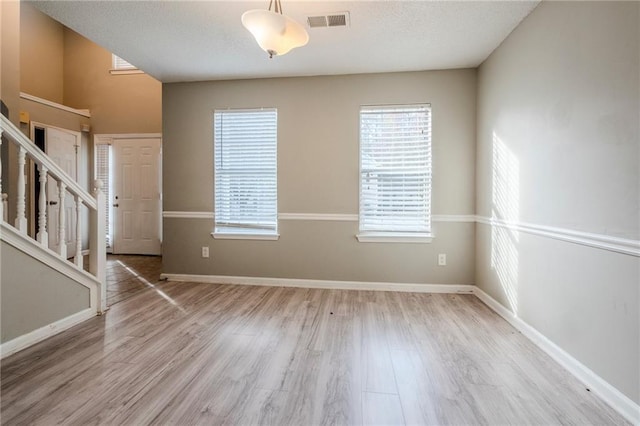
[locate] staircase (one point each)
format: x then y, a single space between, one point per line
46 264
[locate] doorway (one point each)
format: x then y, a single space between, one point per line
63 147
129 166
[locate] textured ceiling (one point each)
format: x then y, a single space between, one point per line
205 40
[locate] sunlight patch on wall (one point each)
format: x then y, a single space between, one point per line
505 206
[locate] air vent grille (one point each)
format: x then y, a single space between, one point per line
317 21
337 19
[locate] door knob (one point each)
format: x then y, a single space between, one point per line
116 205
53 203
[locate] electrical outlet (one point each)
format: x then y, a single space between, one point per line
205 251
442 259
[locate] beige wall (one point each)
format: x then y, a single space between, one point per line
62 66
10 62
558 145
10 90
53 116
318 119
33 295
118 103
41 54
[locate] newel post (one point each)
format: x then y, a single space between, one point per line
98 246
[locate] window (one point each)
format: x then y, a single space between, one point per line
245 154
102 169
395 173
120 66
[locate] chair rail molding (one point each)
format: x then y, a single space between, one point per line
338 217
600 241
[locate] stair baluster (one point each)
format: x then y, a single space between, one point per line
21 218
78 257
62 220
5 207
42 236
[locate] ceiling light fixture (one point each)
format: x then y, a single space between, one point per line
275 33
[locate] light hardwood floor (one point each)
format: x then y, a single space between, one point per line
188 353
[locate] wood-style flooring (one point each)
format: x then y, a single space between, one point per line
187 353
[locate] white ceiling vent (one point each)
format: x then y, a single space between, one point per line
337 19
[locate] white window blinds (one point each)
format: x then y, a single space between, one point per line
246 171
121 64
395 169
102 167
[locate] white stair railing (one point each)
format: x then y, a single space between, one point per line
96 205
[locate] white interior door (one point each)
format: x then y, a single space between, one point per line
63 147
136 196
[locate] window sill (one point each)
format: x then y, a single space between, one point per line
228 236
394 237
125 72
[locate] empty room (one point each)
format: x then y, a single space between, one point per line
320 212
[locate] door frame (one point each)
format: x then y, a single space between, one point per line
107 139
33 170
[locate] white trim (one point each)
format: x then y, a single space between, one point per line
97 138
37 124
125 72
50 258
341 217
322 284
247 236
394 237
616 399
338 217
354 217
82 112
605 242
38 335
187 215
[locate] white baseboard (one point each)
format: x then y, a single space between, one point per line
26 340
616 399
324 284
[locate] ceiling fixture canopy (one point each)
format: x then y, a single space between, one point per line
275 32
